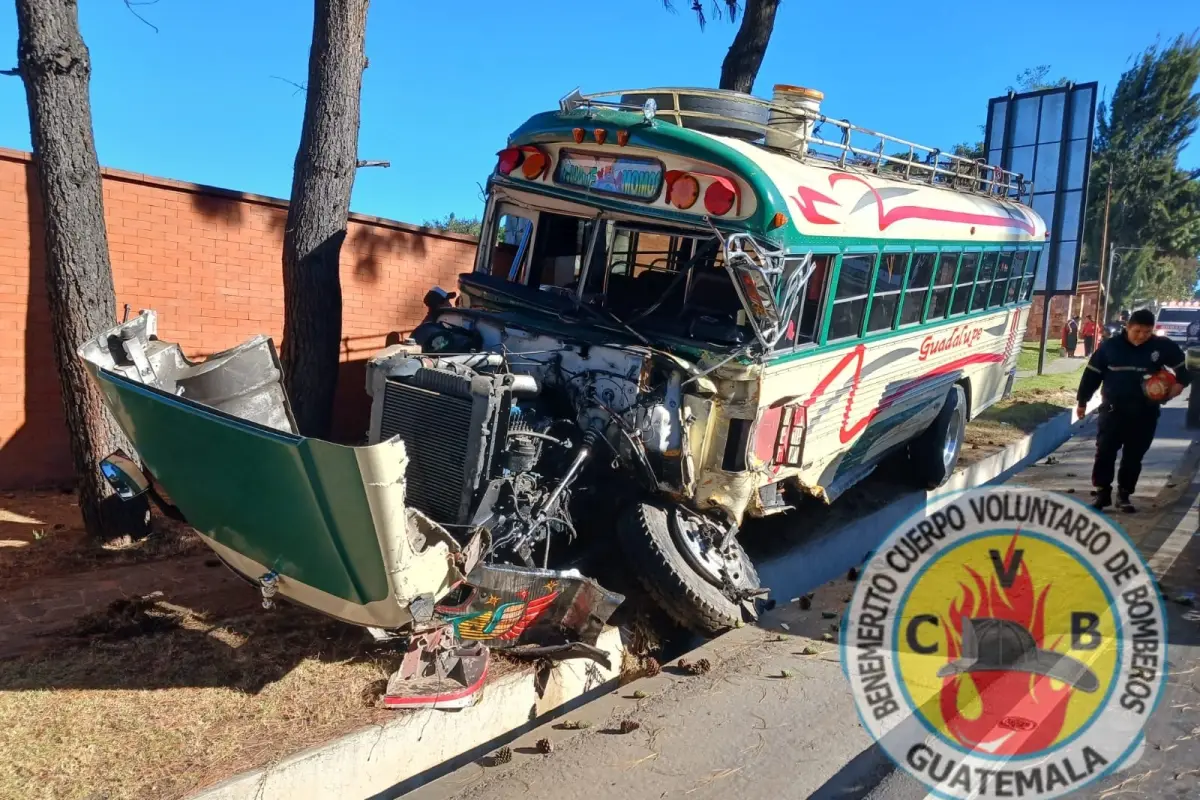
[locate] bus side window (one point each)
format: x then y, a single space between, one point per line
943 284
850 297
1014 280
966 278
1031 265
810 314
802 328
1000 285
885 300
983 285
919 276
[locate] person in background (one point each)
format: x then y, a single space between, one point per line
1128 418
1089 336
1072 336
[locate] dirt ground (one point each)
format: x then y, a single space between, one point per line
163 693
41 535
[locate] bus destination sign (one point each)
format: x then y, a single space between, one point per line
635 178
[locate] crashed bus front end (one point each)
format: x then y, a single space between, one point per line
325 525
581 370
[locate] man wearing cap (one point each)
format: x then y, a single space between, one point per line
1128 416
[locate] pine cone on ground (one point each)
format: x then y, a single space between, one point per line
545 746
502 756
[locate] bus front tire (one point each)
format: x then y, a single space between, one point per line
934 453
649 534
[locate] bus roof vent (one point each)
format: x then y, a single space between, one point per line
791 123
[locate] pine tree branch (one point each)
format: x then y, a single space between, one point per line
300 87
15 72
362 163
129 4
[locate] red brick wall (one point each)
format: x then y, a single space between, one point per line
208 261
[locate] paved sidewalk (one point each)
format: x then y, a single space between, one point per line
774 719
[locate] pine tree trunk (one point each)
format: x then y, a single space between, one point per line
745 55
55 66
320 203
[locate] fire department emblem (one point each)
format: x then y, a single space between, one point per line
1006 642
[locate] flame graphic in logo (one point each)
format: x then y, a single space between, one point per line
1002 712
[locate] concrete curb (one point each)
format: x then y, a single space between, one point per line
384 761
1047 438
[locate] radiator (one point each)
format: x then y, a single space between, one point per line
448 432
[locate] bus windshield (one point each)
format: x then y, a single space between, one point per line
651 278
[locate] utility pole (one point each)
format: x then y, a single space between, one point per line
1103 247
1112 260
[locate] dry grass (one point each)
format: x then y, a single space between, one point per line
1034 400
42 536
157 701
153 699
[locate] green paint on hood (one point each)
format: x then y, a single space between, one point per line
294 504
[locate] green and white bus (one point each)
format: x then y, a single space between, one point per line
694 304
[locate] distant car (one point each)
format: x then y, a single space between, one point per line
1175 322
1193 334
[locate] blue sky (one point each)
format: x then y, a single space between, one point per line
448 80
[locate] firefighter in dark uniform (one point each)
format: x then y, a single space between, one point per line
1127 416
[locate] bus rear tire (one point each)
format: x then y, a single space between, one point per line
650 534
934 453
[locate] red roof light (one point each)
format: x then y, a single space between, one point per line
720 196
510 159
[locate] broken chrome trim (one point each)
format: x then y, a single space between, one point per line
245 381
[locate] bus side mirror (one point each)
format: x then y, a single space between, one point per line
124 476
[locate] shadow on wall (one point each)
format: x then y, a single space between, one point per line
367 244
38 455
229 206
365 247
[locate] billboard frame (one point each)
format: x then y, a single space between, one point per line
1070 92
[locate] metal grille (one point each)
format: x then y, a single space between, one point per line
436 430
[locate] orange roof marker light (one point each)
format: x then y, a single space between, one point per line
600 135
622 137
577 134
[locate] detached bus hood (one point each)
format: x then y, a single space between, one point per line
322 524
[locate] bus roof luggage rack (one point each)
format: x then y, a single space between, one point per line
791 124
